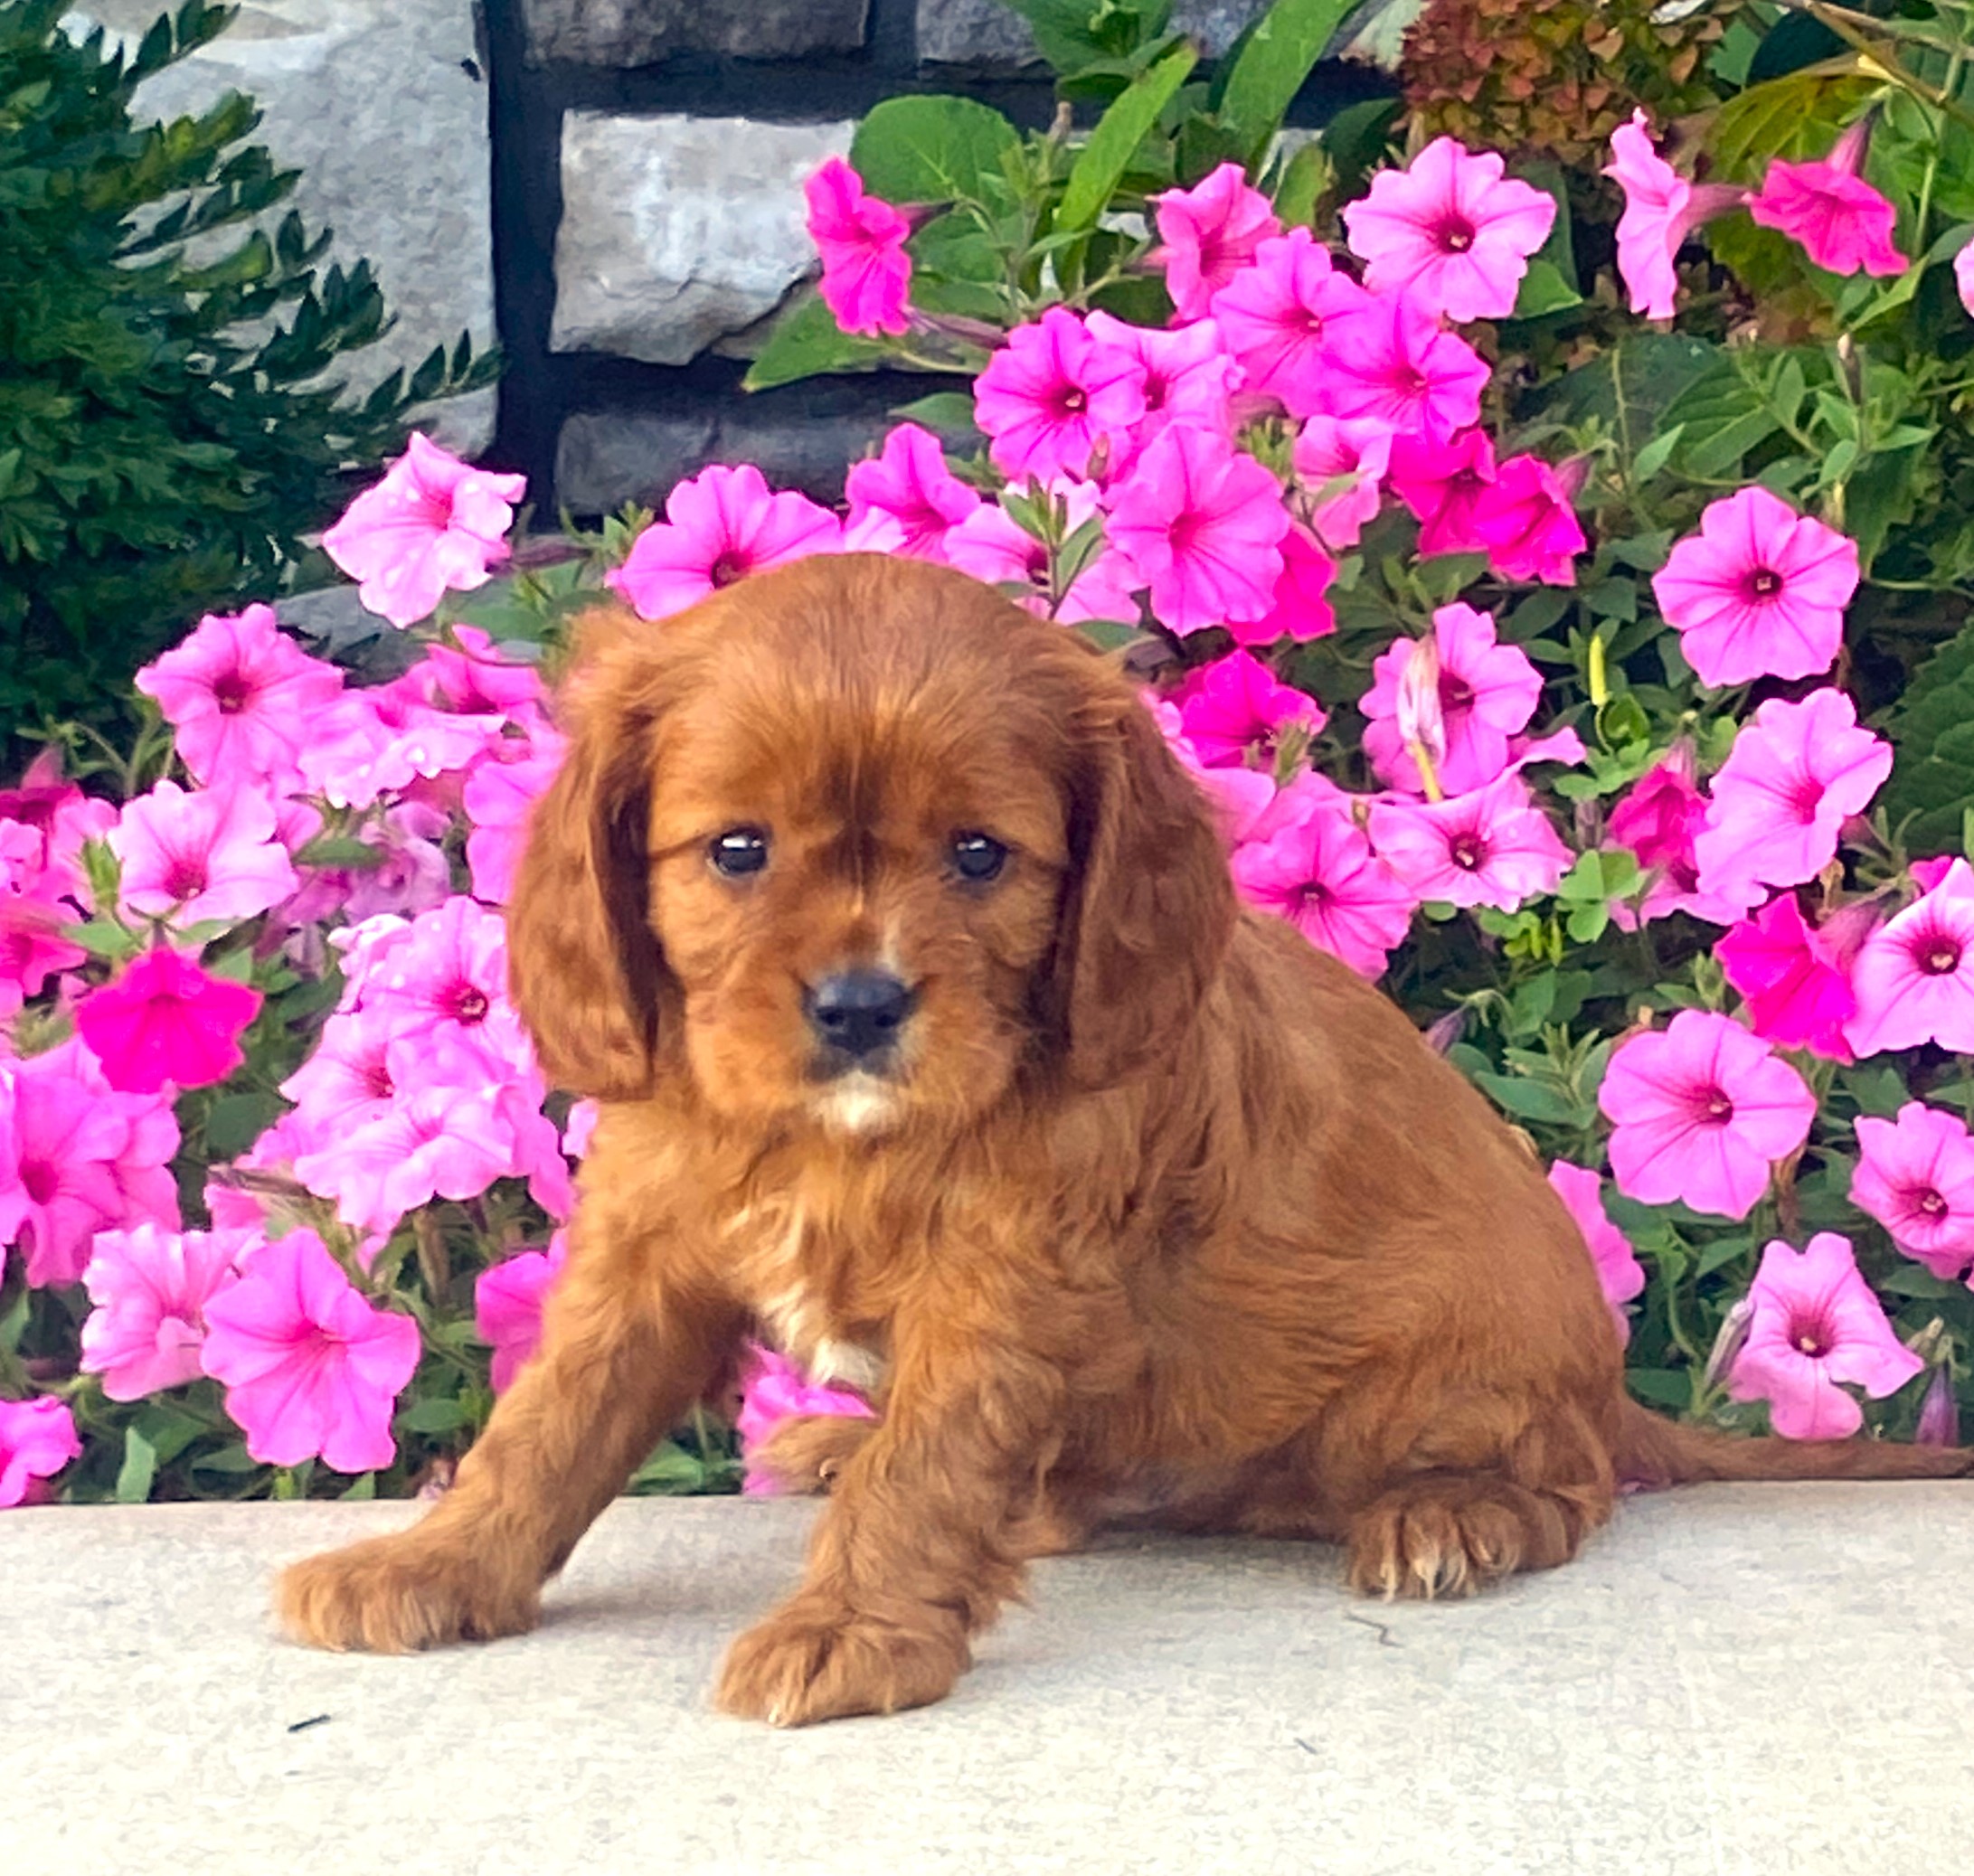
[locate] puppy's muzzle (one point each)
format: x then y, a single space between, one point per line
856 1017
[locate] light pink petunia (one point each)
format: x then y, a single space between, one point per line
1450 230
1202 526
242 697
1488 690
1798 771
1235 710
507 1299
433 524
498 799
1394 363
718 528
1300 608
1815 1323
150 1288
309 1367
1797 989
1341 463
37 1439
1491 847
866 272
1914 975
1442 482
908 482
212 854
1915 1175
470 675
1189 377
1526 521
1052 394
1619 1273
347 1082
1661 208
1841 221
1702 1110
36 900
773 1388
165 1020
1207 234
1279 318
1760 591
994 548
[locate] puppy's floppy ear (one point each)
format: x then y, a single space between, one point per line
1149 906
585 967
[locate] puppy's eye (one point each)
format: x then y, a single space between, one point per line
737 852
978 857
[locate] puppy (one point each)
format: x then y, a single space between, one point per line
933 1044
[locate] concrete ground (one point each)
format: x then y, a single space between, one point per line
1754 1681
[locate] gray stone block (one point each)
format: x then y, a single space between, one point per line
679 231
372 101
626 33
986 37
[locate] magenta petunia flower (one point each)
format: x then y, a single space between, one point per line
1307 861
1202 525
1207 234
212 854
1342 463
1963 276
1396 364
1915 1175
1798 771
1300 608
719 527
908 482
994 548
1525 520
242 697
1280 318
1442 482
866 272
1815 1323
774 1390
1702 1110
37 1439
1619 1273
1841 221
1914 975
1052 394
1235 710
1798 990
310 1368
1189 377
1760 591
1488 690
1491 846
1659 819
507 1299
432 524
1238 798
165 1020
1661 208
1450 230
150 1288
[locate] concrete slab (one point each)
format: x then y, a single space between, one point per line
1765 1681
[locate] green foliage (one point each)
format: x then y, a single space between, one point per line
1933 729
167 434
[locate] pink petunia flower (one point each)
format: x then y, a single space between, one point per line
1915 1175
347 1082
1207 234
1356 453
310 1368
1300 608
150 1288
1491 846
214 853
908 482
993 547
1815 1323
1659 819
718 528
499 800
1661 208
1450 230
242 697
1702 1110
1235 710
33 911
1798 990
1202 525
37 1439
1442 482
1189 377
1238 798
1797 772
1760 591
1279 318
1914 975
1394 363
1619 1273
471 676
373 743
1839 220
866 272
165 1020
1525 520
1963 276
774 1390
1488 690
507 1299
1052 394
433 524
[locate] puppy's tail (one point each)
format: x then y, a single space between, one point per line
1653 1451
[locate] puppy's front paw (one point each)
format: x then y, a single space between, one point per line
816 1660
395 1595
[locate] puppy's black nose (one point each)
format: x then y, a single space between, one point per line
858 1012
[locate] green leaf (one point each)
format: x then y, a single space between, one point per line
343 851
436 1414
138 1469
1529 1100
1660 1387
1280 53
1100 164
947 414
235 1121
1357 141
1302 182
806 341
1657 454
1932 733
1543 290
934 149
101 938
1722 416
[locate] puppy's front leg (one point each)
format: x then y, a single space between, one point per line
624 1355
916 1549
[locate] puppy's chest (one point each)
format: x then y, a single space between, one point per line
800 1279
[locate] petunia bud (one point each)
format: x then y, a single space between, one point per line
1441 1034
1940 1412
1728 1345
1422 722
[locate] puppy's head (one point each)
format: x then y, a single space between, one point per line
859 843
